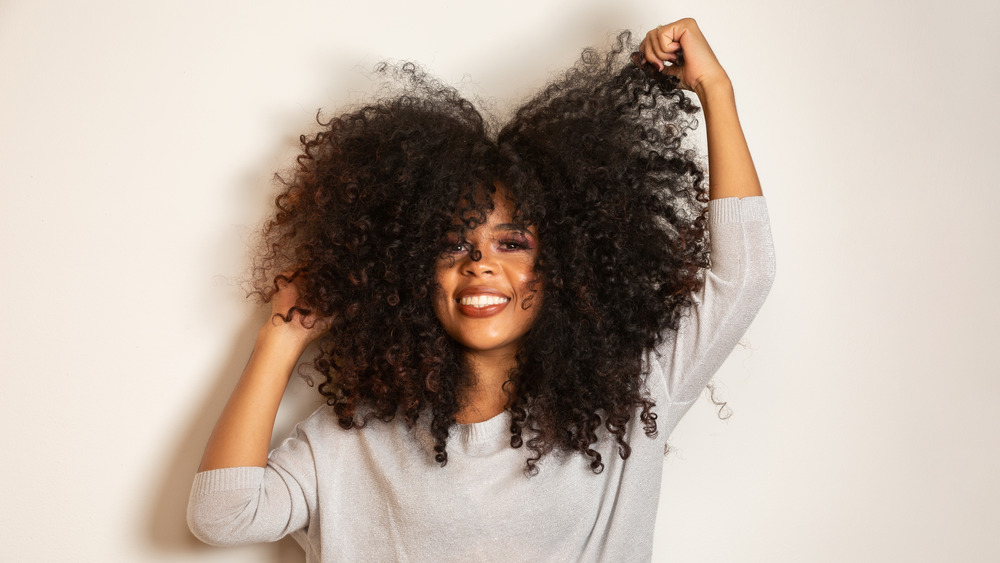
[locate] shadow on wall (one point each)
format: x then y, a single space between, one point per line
166 527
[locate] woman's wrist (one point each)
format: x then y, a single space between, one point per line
279 343
715 88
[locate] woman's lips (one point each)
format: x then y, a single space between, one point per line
479 302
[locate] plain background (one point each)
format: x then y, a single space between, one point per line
137 145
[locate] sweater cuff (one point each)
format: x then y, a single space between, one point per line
227 479
737 210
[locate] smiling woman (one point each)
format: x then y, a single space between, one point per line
488 285
487 300
508 326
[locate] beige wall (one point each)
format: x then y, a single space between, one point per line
137 140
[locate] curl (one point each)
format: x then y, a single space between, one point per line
596 162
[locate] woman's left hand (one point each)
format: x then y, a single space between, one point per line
699 69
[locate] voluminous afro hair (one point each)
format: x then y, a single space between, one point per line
595 163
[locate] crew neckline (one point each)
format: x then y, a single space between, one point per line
480 438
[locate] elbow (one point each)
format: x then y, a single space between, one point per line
206 525
228 507
222 521
235 520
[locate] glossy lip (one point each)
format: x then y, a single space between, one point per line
480 312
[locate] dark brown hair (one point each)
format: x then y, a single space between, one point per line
595 162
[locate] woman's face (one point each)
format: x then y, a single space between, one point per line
488 299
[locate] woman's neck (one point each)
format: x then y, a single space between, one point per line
486 397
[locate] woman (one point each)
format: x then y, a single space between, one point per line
508 329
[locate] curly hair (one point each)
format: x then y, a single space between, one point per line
596 162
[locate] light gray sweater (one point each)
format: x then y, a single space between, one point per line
375 494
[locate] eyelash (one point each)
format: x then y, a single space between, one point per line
516 243
511 244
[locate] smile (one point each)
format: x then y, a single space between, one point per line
480 301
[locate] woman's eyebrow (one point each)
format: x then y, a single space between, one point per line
513 227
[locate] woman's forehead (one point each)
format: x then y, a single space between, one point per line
484 206
480 203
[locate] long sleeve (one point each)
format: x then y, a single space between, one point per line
741 274
240 505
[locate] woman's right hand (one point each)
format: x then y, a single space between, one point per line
700 68
299 330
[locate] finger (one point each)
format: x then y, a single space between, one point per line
687 35
660 44
285 280
681 31
672 47
648 54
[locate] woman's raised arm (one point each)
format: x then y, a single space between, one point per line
742 250
730 168
242 435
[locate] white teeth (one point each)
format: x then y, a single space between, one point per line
480 301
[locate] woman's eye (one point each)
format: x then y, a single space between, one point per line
456 247
514 244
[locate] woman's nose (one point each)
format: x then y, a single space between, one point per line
478 263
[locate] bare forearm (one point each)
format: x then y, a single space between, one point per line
730 168
242 436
